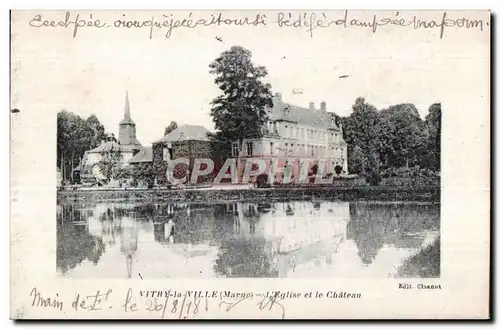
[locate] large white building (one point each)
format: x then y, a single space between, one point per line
302 133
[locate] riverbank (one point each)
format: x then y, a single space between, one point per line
425 264
368 193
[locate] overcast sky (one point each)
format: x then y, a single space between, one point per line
168 79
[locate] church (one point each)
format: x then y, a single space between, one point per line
124 148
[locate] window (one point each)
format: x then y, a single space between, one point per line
181 135
235 149
250 148
290 152
166 154
286 148
285 132
272 147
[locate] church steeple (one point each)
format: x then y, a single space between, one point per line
127 135
127 106
126 118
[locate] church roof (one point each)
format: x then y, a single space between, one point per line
186 132
144 155
282 111
127 121
109 146
133 145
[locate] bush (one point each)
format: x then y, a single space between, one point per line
338 169
262 181
314 170
373 178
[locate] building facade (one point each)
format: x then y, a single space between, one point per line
302 133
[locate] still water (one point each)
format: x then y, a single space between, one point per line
241 239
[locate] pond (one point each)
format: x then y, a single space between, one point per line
296 239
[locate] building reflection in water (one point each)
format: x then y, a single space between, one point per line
128 240
279 237
239 239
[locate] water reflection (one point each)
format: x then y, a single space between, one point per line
241 239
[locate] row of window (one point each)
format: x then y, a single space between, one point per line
292 150
290 131
309 150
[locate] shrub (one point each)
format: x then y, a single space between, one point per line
262 180
373 178
314 170
338 169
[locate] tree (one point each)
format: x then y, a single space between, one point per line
356 160
75 135
240 111
171 127
402 136
95 131
144 172
433 125
110 164
360 134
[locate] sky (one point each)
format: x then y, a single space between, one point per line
169 80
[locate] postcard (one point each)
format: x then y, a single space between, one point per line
269 164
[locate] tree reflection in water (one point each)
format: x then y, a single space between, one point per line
372 226
242 231
74 243
240 257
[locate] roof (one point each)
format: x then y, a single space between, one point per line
310 117
186 132
134 145
127 121
107 147
144 155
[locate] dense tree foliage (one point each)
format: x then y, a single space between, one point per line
143 173
240 111
395 137
110 165
433 126
75 135
361 135
171 127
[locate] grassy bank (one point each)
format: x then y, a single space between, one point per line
368 193
425 264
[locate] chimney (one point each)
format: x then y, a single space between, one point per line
311 105
323 106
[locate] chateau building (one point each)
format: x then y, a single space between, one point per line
300 133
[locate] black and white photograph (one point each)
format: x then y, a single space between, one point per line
252 162
292 155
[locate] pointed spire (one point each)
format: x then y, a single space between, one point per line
127 107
